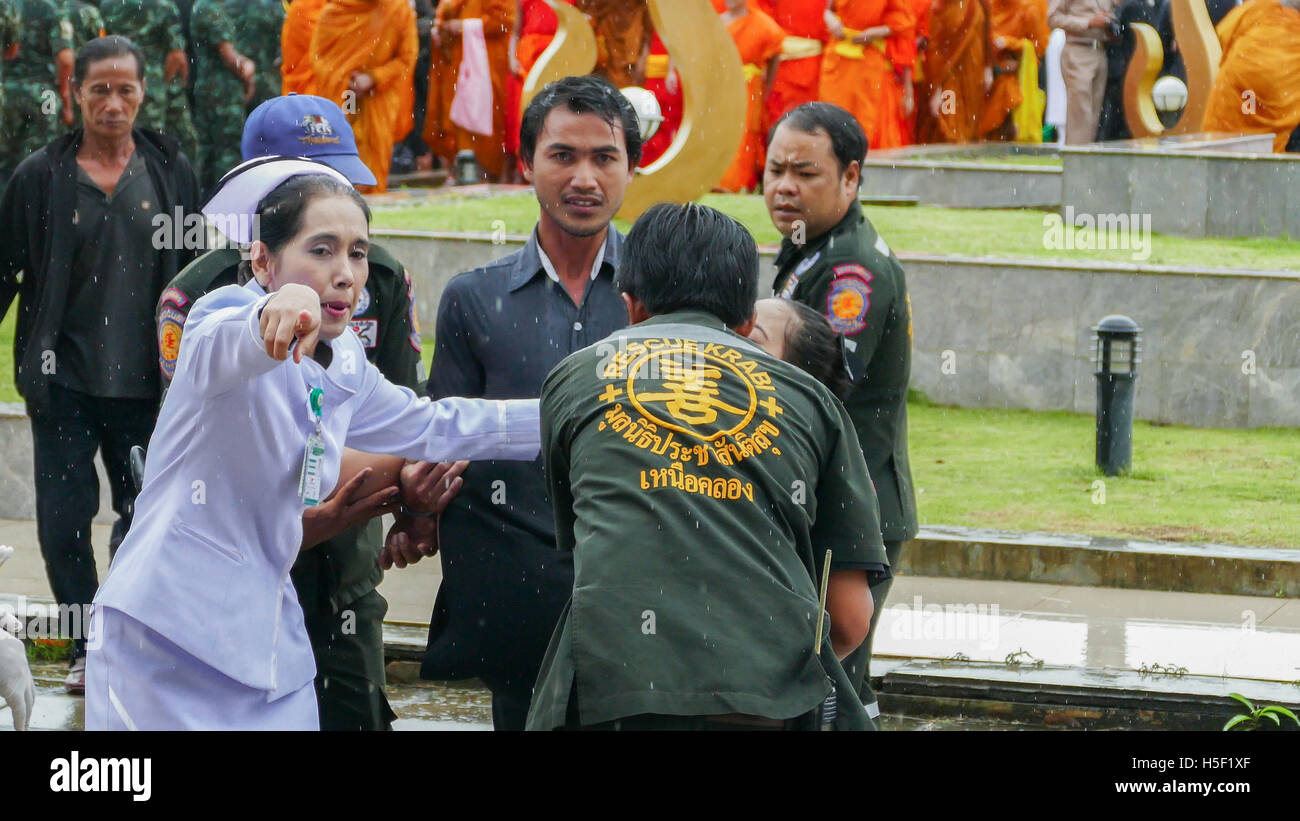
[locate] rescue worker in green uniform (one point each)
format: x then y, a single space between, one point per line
155 27
700 482
833 260
38 103
223 85
336 581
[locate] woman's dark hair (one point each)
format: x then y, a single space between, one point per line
814 348
105 48
848 140
589 94
690 256
279 215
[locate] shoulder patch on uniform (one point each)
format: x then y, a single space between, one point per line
171 325
363 302
851 269
367 330
882 246
174 296
414 338
799 270
849 299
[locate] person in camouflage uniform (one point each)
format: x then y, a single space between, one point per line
87 24
223 87
8 38
259 25
33 86
155 26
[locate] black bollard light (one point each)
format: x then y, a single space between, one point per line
1118 344
467 170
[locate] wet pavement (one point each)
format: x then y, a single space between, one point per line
422 706
1107 646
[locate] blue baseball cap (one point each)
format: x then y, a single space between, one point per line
300 125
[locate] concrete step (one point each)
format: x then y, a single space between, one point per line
1192 567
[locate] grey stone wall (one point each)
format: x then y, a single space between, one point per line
965 185
1189 193
1019 336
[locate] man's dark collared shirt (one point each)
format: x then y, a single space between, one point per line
501 329
106 345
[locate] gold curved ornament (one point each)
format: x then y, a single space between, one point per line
1143 71
1201 50
714 96
714 102
572 52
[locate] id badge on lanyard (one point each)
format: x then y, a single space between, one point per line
313 458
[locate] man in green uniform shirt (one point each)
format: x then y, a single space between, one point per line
699 483
224 83
337 580
155 26
833 260
36 91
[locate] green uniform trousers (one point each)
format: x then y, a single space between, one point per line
349 650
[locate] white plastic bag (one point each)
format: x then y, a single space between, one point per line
472 107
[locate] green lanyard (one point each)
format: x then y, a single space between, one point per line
313 459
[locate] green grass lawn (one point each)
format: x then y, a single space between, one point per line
1022 470
7 391
1014 233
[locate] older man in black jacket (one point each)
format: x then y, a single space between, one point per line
87 222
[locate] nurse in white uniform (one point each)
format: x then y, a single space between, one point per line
197 625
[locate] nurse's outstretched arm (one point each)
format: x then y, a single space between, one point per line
392 419
231 345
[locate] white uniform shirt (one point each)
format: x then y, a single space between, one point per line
218 522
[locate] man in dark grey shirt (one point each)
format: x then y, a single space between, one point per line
77 221
104 346
501 329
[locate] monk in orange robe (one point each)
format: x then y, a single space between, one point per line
798 75
622 30
444 66
535 27
296 75
1011 24
758 40
956 63
662 80
1257 89
498 18
857 74
904 51
365 52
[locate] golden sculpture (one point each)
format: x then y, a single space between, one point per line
713 96
1201 52
571 52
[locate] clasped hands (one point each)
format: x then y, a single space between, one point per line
415 493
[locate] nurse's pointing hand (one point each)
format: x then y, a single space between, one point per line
292 313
